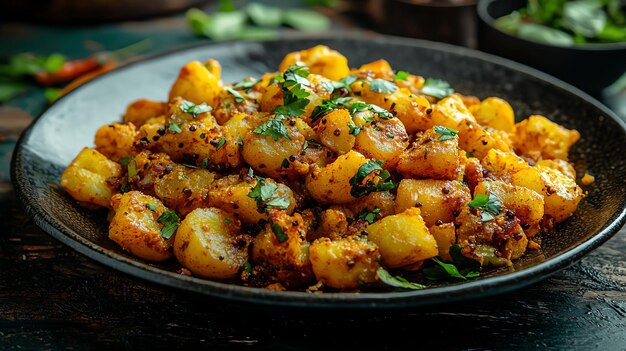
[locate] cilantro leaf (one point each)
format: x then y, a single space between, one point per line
247 266
273 127
446 133
125 160
246 84
354 130
220 143
174 128
170 224
397 281
193 109
382 86
367 215
489 205
296 74
443 270
402 75
281 237
236 95
152 207
132 168
359 189
279 202
328 105
437 88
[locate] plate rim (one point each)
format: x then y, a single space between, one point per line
385 300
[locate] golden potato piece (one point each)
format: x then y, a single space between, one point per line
438 200
430 157
538 137
403 239
198 83
503 164
495 113
86 179
334 131
135 227
560 193
142 110
445 237
526 203
116 140
320 60
345 263
331 184
209 244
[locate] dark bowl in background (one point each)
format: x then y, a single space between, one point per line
448 21
590 67
68 12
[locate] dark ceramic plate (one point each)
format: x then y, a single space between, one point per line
60 133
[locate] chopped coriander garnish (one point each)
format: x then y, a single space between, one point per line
152 207
348 80
446 133
397 281
443 270
328 105
281 237
359 189
389 135
314 143
174 128
220 143
125 160
236 95
262 191
426 152
170 224
436 88
342 83
273 127
132 169
193 109
228 221
294 101
351 105
402 75
125 186
367 215
205 163
202 135
354 130
247 266
246 84
489 205
382 86
296 74
279 202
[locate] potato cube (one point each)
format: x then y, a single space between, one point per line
432 158
86 179
135 228
538 137
345 263
403 239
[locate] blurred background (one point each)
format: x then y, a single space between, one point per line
49 47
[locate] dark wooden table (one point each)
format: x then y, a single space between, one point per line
54 298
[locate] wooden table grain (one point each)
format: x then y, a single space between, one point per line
54 298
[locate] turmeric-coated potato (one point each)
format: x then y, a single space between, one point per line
142 110
503 164
438 200
345 263
87 178
135 226
334 131
184 188
209 243
233 194
331 184
538 137
432 156
495 113
560 193
198 83
321 60
403 239
526 203
116 140
445 237
383 140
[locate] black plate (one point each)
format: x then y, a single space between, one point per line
62 130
